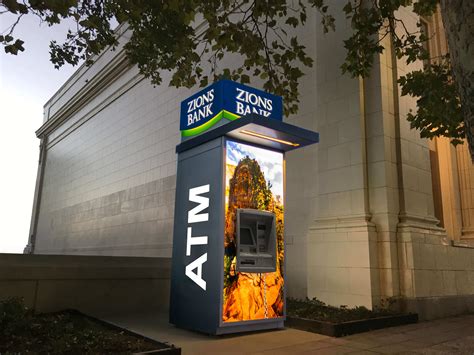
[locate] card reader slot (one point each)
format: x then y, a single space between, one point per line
247 262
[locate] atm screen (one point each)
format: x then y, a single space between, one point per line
246 237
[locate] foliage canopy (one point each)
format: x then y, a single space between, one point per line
180 36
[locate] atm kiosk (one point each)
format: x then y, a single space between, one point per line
228 266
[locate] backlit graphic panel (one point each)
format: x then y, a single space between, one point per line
254 180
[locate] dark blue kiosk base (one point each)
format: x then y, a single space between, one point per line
250 326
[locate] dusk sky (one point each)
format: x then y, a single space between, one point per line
27 81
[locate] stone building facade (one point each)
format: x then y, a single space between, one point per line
373 211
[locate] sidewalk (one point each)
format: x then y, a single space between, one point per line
445 336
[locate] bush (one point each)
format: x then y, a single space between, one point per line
22 331
315 309
15 317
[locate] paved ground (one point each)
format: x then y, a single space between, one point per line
446 336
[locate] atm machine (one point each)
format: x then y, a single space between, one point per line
256 241
228 266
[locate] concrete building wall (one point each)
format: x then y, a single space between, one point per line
436 272
108 184
375 202
94 284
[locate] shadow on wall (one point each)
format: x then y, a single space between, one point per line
91 284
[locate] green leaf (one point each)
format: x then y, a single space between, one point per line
244 79
292 21
347 8
438 106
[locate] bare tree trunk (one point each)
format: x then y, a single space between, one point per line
458 20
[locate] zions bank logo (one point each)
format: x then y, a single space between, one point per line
228 100
249 102
200 108
197 215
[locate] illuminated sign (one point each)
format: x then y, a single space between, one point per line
229 100
194 216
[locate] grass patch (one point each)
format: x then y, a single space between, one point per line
23 331
317 310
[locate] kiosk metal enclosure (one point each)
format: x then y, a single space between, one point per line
228 267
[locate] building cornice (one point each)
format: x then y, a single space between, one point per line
87 92
96 109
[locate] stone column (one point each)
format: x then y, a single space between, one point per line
466 189
341 240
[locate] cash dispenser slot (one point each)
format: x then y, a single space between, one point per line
256 241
